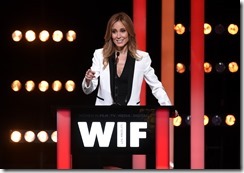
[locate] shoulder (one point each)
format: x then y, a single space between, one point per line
143 55
98 54
98 51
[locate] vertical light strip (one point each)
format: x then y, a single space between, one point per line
64 140
139 20
197 84
162 138
167 60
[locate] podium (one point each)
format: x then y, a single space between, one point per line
136 130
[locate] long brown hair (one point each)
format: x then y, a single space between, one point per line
109 47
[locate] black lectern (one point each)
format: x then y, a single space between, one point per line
136 130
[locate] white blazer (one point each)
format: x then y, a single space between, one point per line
142 70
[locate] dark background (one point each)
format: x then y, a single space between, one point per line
63 61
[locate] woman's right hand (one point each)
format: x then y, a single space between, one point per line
89 76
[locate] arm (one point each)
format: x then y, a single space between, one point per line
155 85
90 81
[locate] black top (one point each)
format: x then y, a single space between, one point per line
121 86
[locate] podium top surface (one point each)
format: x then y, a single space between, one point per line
114 109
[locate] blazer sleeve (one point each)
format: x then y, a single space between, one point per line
96 66
155 85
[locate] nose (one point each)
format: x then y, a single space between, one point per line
118 35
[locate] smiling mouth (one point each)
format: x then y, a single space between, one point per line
119 41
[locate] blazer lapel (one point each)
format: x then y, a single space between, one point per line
131 67
112 73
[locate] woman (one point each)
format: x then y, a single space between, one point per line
119 67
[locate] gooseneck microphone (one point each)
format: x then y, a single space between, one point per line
115 79
116 58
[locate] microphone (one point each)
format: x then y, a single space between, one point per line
115 79
116 57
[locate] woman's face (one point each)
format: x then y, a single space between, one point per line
119 35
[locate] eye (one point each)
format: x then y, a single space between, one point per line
114 31
123 30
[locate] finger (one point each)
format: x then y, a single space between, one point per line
91 72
